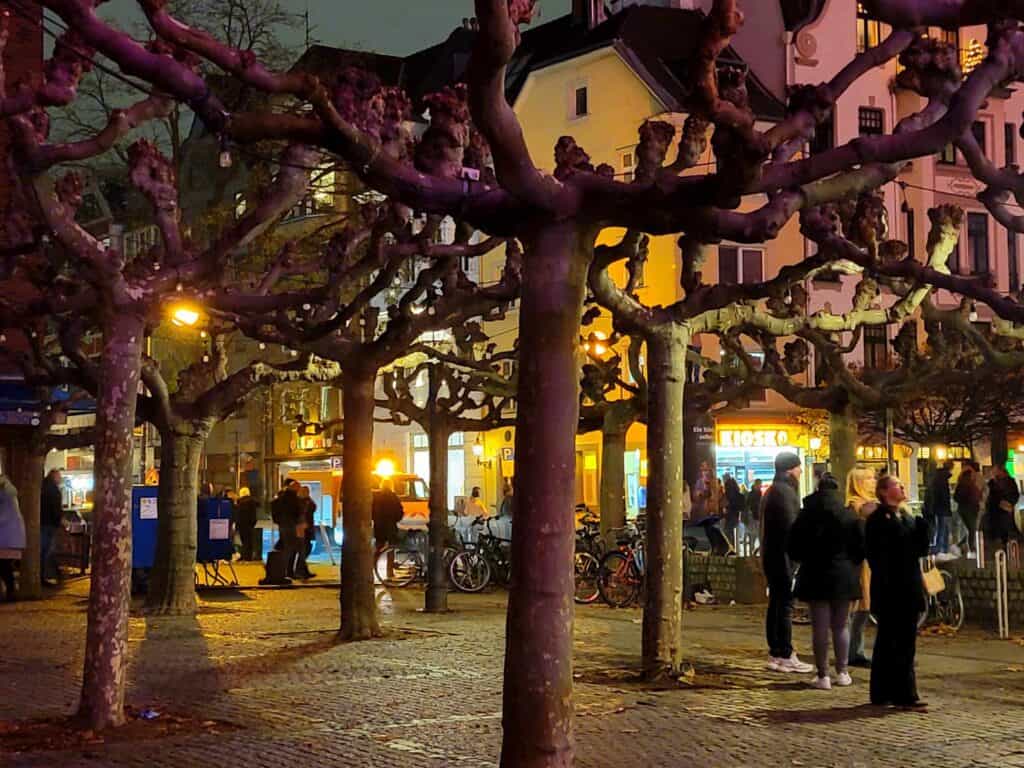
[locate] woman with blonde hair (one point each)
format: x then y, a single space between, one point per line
861 499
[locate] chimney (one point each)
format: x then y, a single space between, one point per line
588 12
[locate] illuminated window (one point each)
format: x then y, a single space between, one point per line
948 155
869 31
972 55
627 167
323 185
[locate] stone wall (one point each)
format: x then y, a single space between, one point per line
731 578
978 587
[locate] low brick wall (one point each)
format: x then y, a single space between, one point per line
731 578
978 587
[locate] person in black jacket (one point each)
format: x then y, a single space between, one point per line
894 541
1003 496
827 542
779 511
735 501
247 513
940 505
51 513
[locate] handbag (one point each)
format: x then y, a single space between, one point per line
932 578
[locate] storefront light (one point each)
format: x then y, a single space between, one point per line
815 443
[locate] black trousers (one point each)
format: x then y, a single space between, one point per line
7 576
247 533
892 664
779 621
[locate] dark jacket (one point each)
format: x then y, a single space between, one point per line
894 544
387 513
967 494
246 512
827 542
286 510
939 503
778 513
51 505
754 503
999 522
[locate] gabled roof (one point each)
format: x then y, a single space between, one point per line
327 63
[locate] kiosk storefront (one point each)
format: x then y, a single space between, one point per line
747 452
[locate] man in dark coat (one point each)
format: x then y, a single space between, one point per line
246 517
1003 496
940 505
778 513
387 513
51 513
894 542
286 511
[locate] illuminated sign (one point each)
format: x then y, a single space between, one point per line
753 438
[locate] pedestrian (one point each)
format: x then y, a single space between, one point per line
51 514
862 501
829 545
246 517
387 513
941 505
752 521
968 501
1003 496
12 536
734 505
894 542
285 511
507 500
474 506
779 511
304 533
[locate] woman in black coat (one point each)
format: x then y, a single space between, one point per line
827 542
894 542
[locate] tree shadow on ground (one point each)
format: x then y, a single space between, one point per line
825 716
221 596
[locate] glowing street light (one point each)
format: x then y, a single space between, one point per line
596 344
184 315
385 468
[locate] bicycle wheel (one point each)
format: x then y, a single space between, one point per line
949 603
397 567
470 571
618 581
585 570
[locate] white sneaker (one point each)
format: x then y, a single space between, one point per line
843 679
822 683
793 664
773 664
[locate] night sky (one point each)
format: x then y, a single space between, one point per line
386 26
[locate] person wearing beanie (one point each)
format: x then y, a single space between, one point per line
779 511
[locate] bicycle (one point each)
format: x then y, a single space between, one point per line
621 577
590 548
945 607
403 564
472 569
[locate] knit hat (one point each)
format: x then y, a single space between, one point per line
786 461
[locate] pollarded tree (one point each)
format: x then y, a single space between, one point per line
557 218
467 390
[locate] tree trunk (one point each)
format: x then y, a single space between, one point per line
1000 443
436 600
537 711
842 442
28 479
617 421
358 607
106 640
172 589
663 607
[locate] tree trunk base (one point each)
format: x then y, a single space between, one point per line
172 608
665 672
436 600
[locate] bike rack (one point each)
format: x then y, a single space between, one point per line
1013 555
1002 595
979 548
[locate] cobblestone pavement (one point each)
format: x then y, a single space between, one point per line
429 694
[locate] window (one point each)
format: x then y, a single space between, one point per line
977 242
1011 255
1010 143
627 166
876 348
581 101
869 31
911 234
871 121
951 37
824 136
948 155
954 259
760 394
978 130
740 266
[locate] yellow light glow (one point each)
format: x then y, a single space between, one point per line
815 443
184 315
644 467
590 462
940 453
385 468
478 448
600 349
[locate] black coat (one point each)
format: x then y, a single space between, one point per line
247 512
51 505
827 542
999 522
939 503
894 544
778 513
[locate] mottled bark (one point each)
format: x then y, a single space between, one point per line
537 717
842 441
613 468
106 640
359 619
663 617
436 600
27 477
172 584
1000 443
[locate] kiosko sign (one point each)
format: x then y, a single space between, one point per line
753 438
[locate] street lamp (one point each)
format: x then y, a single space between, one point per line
815 444
184 315
596 345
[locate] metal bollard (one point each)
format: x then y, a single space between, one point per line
1013 555
979 548
1002 595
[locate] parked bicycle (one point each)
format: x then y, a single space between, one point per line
403 564
621 576
590 548
945 607
480 562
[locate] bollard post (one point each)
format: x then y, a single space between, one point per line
1002 594
979 548
1013 555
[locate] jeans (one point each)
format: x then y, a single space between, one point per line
779 620
47 542
942 533
830 615
858 623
